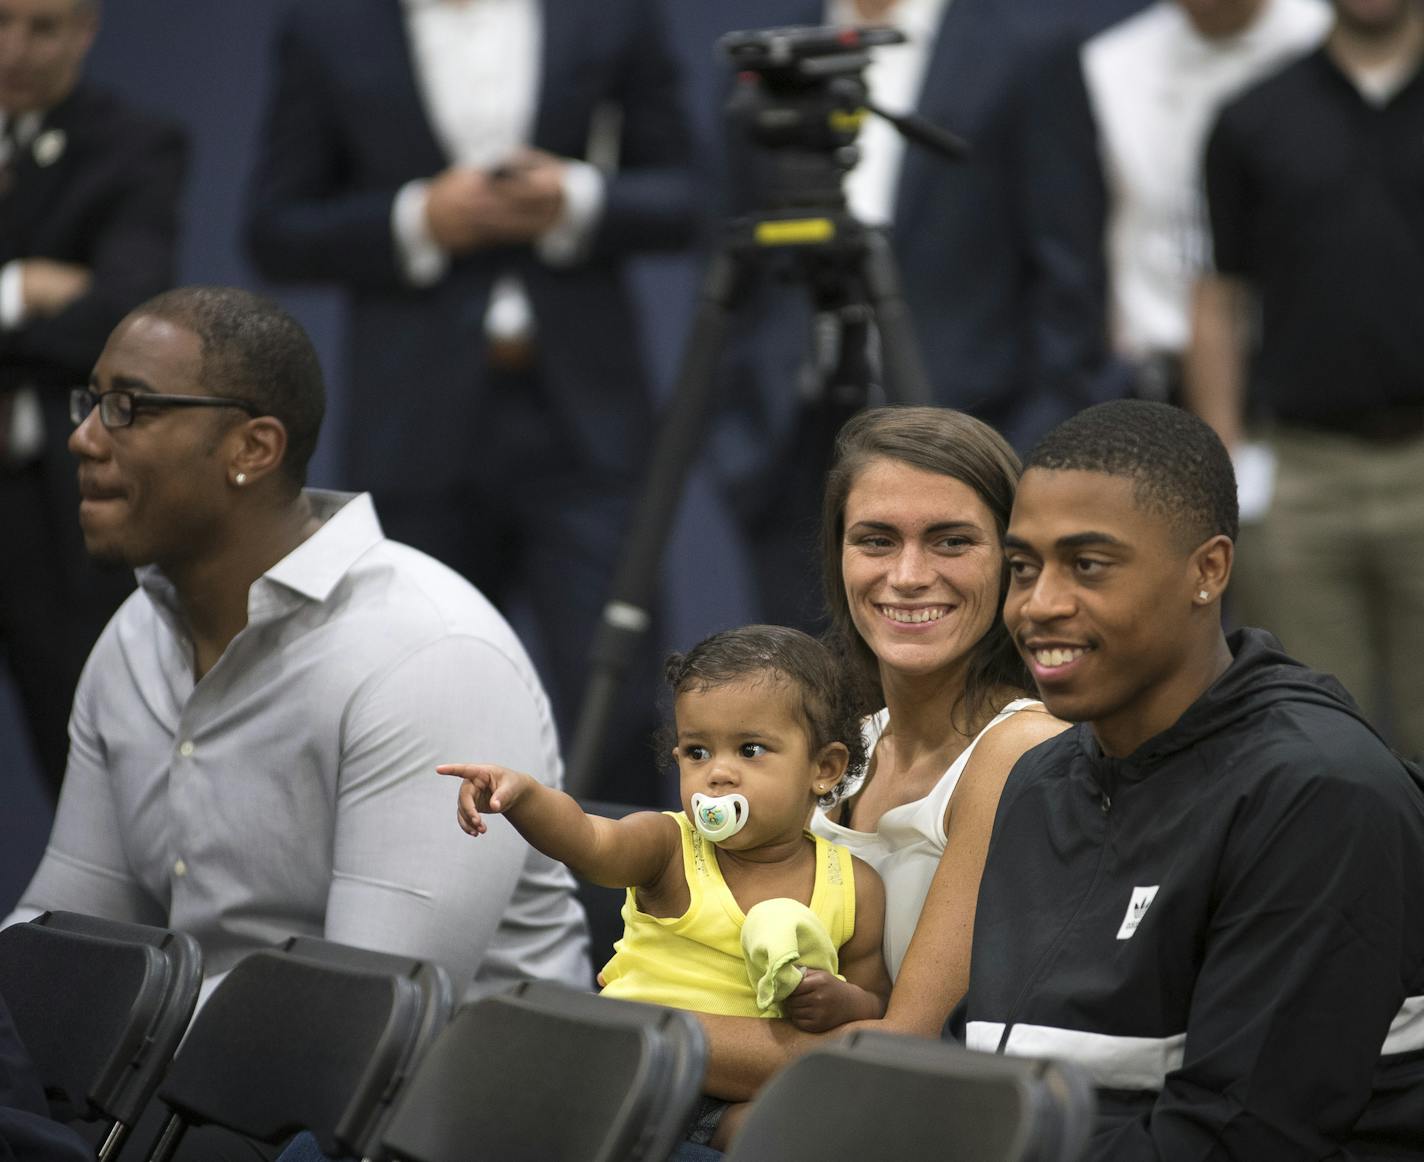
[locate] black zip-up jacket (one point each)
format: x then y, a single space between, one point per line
1226 927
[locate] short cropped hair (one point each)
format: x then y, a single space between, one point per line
776 653
255 351
949 443
1179 467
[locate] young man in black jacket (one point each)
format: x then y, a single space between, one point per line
1209 891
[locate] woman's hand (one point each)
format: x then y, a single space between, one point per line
486 788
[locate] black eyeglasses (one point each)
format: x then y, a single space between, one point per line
118 408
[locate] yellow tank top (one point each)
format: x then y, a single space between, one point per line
694 961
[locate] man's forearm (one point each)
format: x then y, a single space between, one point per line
1214 370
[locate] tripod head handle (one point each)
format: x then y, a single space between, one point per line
923 131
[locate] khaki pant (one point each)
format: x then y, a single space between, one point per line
1336 569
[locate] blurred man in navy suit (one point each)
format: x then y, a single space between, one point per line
89 192
433 158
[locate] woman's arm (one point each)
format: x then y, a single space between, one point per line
935 972
743 1053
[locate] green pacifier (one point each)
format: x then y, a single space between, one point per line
719 817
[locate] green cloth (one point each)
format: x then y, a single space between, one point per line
780 938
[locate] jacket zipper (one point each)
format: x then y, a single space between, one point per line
1105 803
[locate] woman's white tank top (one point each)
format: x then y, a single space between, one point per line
907 843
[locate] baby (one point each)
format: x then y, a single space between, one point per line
733 906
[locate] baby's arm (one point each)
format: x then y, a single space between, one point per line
821 1001
632 851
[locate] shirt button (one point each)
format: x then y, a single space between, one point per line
180 868
186 750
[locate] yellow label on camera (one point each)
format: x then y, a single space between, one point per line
844 122
795 232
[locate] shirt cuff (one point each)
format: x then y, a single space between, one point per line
12 296
567 240
422 261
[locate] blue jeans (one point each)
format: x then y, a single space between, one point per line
303 1148
690 1152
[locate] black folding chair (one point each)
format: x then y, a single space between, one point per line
878 1095
101 1006
436 992
542 1073
315 1038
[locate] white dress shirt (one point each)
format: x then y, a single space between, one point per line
292 790
1156 85
894 78
477 64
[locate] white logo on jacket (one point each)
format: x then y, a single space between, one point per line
1136 909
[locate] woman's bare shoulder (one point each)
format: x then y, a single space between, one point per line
1026 728
1006 742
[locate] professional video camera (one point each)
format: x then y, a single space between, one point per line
801 96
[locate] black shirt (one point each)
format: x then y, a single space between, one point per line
1316 197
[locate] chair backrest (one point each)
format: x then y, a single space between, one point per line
878 1095
101 1006
437 993
289 1042
542 1073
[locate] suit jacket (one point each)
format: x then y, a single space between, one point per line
346 129
1001 254
109 201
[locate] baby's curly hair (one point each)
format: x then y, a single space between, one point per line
775 653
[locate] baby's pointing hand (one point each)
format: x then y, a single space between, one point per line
485 788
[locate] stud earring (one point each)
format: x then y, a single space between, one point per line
1203 595
240 479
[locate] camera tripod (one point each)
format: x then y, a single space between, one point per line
847 269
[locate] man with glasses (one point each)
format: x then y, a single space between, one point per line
256 731
89 193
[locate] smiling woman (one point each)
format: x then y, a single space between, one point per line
915 511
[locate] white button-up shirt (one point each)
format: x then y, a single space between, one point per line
292 790
1156 85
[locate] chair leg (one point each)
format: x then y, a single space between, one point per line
113 1141
168 1140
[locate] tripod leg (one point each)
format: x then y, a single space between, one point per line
902 367
626 616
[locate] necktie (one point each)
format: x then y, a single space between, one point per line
9 155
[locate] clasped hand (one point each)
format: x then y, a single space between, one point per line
468 208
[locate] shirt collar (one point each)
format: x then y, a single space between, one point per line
312 570
349 529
